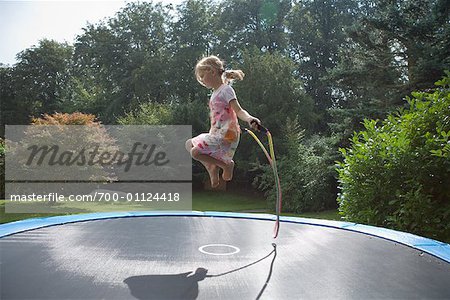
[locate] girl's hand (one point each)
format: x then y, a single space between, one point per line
254 123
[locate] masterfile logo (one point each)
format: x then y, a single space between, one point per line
140 154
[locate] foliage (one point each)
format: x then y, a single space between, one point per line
191 37
416 31
397 173
246 24
315 30
63 130
126 57
148 114
76 118
306 173
398 45
12 111
37 84
271 92
195 113
391 49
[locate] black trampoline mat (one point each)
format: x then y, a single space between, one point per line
213 258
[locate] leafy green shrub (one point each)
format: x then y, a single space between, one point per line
193 113
397 174
306 173
148 114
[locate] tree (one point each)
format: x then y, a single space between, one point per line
126 58
418 32
41 76
367 83
268 84
395 47
315 36
246 24
142 31
191 38
12 110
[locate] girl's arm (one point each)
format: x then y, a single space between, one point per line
244 115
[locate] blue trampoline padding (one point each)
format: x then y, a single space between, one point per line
433 247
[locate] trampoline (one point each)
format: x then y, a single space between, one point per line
212 255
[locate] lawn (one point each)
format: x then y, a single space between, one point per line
201 201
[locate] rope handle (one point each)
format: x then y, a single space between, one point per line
259 126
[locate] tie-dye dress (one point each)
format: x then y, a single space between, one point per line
223 137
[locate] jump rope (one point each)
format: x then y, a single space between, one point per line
271 158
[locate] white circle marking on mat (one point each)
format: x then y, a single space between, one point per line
235 249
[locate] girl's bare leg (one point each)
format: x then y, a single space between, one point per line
212 169
227 174
206 159
213 172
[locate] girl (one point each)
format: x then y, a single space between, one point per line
216 149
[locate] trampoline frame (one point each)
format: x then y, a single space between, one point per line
436 248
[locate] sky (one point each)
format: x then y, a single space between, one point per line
24 23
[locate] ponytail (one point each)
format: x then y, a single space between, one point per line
230 75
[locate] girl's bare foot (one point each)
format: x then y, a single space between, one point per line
227 174
213 171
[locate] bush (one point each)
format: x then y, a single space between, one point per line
397 174
50 130
306 173
148 114
75 118
195 113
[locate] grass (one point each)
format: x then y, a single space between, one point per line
216 201
201 201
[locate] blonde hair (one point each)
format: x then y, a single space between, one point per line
211 63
